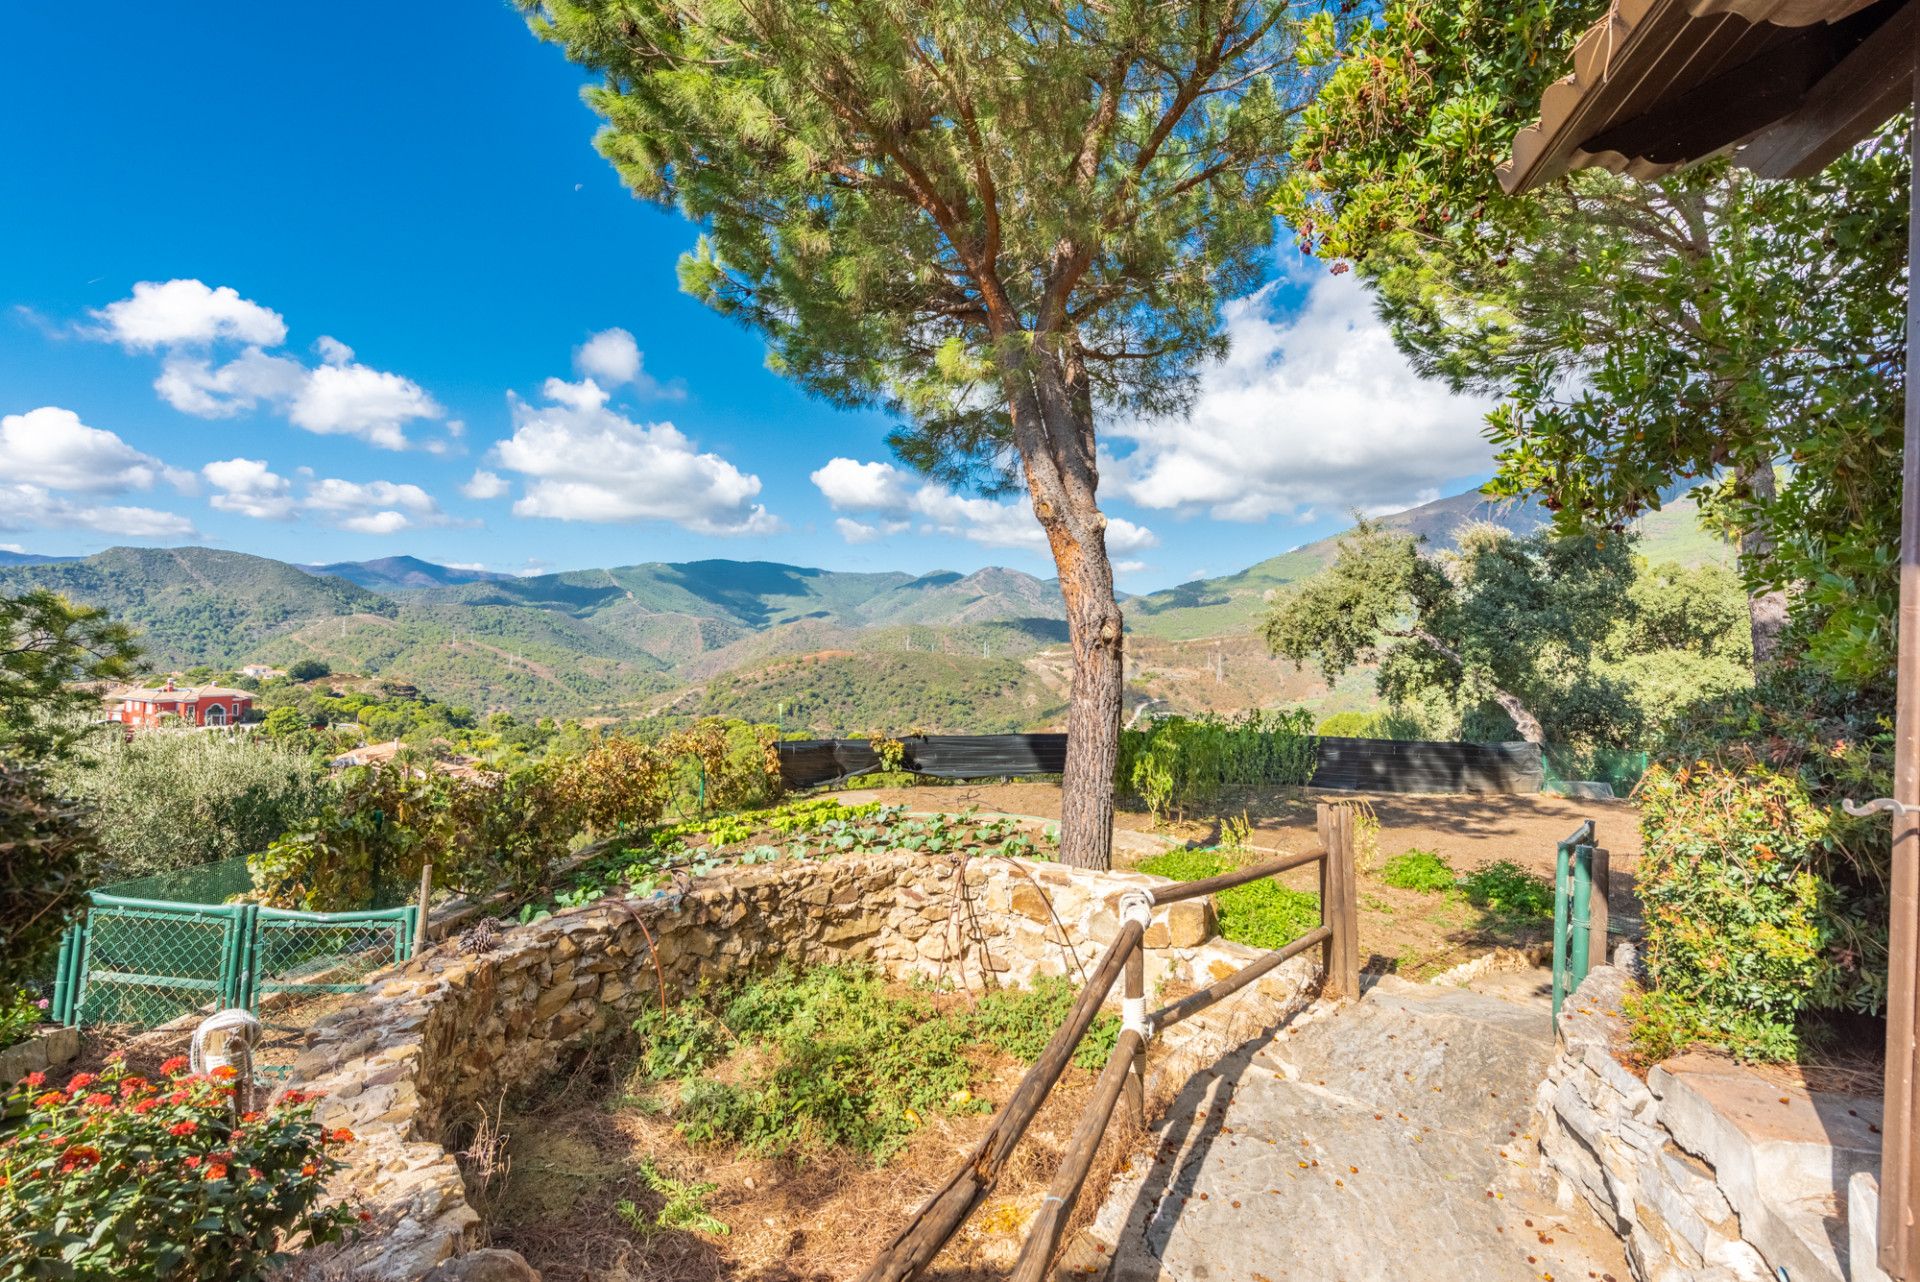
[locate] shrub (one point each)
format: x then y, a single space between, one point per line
1180 762
1260 914
168 801
309 670
1390 723
1021 1021
1505 889
618 783
20 1013
117 1177
1421 870
736 764
47 851
1740 922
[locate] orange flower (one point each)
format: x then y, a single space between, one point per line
50 1100
174 1065
216 1172
308 1168
226 1072
343 1136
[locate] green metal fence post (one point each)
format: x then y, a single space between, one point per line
62 1004
1560 876
1579 943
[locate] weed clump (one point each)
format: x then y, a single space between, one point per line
1260 914
837 1057
1505 889
1423 870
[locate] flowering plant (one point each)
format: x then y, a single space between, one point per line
116 1176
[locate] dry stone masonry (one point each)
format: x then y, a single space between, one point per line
436 1043
1710 1172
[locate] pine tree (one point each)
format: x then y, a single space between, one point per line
995 220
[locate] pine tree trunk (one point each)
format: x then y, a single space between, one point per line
1053 430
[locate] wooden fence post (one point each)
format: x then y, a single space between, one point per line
1602 871
1339 904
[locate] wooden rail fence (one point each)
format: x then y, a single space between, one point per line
1124 1076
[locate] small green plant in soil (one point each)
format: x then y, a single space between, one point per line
1421 870
683 1205
836 1056
1260 914
1505 889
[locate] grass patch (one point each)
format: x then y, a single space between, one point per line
1421 870
1505 889
838 1057
1260 914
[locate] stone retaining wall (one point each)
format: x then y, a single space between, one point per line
439 1040
1709 1171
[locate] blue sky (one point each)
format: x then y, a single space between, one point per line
338 283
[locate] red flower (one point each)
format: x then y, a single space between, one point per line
183 1128
294 1097
366 1217
99 1099
78 1156
191 1161
34 1079
146 1105
174 1065
249 1118
255 1173
80 1081
133 1085
178 1097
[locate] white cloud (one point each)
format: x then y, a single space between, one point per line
881 490
1129 567
339 397
186 313
26 507
611 356
485 485
590 463
1315 409
372 507
51 447
246 487
357 400
20 548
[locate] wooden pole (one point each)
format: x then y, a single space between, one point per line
1134 989
1044 1235
1900 1148
426 902
943 1213
1339 904
1601 867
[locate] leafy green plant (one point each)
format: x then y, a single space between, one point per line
1742 928
679 1041
49 850
1021 1021
1260 914
1177 763
1506 889
1421 870
683 1205
19 1015
115 1176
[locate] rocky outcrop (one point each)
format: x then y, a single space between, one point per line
1710 1172
413 1067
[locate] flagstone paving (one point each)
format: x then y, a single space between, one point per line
1386 1141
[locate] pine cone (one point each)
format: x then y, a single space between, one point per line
482 937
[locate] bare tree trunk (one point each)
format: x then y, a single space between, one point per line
1766 611
1053 430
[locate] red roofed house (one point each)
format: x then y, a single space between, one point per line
195 705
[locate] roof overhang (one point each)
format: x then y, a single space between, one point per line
1660 84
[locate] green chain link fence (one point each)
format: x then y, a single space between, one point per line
148 962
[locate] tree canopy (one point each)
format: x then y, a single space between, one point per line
1571 637
48 646
1645 337
992 219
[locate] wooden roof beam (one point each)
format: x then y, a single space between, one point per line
1868 87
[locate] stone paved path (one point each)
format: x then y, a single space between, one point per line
1387 1141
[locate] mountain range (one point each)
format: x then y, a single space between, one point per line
828 649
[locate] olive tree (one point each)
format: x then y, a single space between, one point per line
996 220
